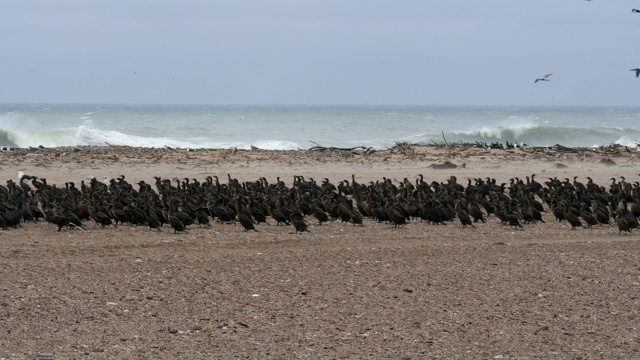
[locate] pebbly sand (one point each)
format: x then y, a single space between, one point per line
419 291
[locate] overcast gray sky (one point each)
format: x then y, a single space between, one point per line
446 52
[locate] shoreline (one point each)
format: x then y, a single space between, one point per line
403 160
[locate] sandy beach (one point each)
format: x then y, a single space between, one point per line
418 291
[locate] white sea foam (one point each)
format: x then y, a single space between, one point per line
516 129
625 141
25 138
276 145
90 136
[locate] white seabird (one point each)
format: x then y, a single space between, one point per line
544 78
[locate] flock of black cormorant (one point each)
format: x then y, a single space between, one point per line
180 203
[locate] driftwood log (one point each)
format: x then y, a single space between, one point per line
358 149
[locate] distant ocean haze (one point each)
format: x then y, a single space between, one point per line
285 127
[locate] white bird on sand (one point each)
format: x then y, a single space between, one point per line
637 70
544 78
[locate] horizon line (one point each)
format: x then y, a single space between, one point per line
308 104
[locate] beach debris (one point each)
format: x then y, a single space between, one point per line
559 147
445 165
359 149
542 328
608 162
116 145
404 148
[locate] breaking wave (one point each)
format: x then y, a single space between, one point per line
84 135
539 135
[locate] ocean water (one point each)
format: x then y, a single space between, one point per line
288 127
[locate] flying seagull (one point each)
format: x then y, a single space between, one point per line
637 70
544 78
635 10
